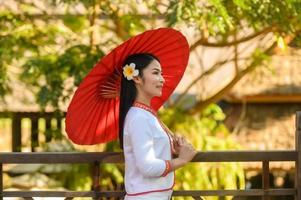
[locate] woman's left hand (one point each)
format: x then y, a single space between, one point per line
175 145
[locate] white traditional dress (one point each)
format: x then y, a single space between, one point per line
147 150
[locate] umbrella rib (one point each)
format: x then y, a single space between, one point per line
146 43
82 134
95 125
154 43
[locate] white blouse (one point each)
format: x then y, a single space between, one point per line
146 147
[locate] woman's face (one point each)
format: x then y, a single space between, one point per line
151 83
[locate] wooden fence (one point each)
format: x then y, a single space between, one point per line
16 118
96 159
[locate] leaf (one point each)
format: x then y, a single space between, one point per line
75 23
241 3
281 43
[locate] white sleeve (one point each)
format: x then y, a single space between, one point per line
143 147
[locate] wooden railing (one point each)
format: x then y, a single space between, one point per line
16 118
96 159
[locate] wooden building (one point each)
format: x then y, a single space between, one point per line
261 109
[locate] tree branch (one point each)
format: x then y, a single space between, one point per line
204 42
206 73
200 105
92 18
236 53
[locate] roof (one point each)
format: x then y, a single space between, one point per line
279 81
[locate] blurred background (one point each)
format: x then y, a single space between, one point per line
241 89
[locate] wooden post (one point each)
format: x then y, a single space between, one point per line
265 178
298 162
34 133
95 177
48 132
59 128
1 182
16 133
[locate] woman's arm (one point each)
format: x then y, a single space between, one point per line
143 148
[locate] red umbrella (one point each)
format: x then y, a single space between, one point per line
93 114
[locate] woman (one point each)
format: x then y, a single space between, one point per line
148 145
121 95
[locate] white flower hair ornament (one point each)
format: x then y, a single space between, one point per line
129 71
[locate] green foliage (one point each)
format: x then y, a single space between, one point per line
75 23
132 24
53 54
50 72
207 132
4 87
44 68
221 17
112 174
296 42
182 11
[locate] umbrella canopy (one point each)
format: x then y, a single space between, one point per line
93 114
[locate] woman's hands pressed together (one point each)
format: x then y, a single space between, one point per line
184 150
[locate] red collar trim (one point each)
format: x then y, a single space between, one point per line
145 107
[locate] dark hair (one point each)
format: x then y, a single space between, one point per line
128 91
